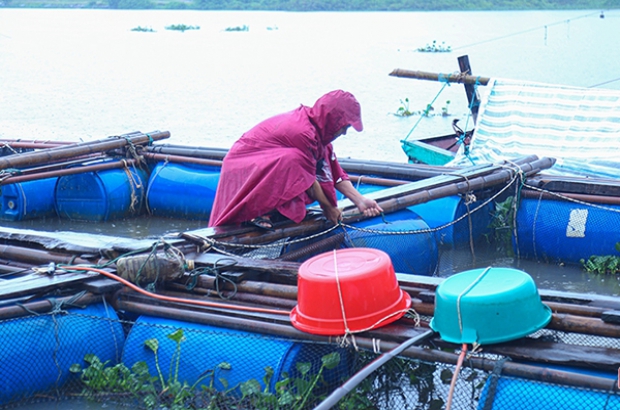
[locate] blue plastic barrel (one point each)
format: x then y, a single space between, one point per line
414 253
37 351
182 190
562 231
102 195
512 393
206 347
442 211
363 189
28 200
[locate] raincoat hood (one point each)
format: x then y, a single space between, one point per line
333 111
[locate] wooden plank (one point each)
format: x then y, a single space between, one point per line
37 283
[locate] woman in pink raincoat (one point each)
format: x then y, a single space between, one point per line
287 162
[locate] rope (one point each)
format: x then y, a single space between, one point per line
467 289
347 330
172 298
344 316
148 189
219 246
214 271
497 371
446 83
134 185
23 195
462 137
524 31
455 376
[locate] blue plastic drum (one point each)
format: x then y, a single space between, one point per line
513 393
28 200
561 231
442 211
102 195
182 190
236 356
404 236
37 351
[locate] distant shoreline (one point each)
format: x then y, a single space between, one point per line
300 6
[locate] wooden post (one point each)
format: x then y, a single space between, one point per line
470 89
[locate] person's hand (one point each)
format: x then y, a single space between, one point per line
332 214
369 207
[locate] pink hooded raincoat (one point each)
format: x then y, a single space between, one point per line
272 165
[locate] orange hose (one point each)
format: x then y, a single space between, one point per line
455 376
172 298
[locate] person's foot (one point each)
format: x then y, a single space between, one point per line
263 222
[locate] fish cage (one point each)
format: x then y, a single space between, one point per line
181 361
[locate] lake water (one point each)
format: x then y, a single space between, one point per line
84 74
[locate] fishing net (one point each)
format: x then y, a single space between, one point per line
144 354
92 355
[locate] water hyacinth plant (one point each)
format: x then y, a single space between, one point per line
182 27
435 48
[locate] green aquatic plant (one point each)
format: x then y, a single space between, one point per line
428 111
501 226
182 27
435 48
602 265
143 29
104 382
290 392
238 28
156 391
403 110
444 110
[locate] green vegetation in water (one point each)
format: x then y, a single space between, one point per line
428 111
435 48
143 29
104 382
182 27
502 225
238 28
602 265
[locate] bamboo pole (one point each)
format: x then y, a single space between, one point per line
451 78
329 243
182 150
384 169
420 353
596 199
463 181
68 151
28 145
453 188
182 159
44 306
14 179
178 290
255 287
38 257
5 141
587 325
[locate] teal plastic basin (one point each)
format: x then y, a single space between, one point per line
495 305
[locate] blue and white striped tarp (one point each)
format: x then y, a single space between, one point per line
579 127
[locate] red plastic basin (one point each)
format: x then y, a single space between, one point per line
359 281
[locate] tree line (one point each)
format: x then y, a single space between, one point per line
324 5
